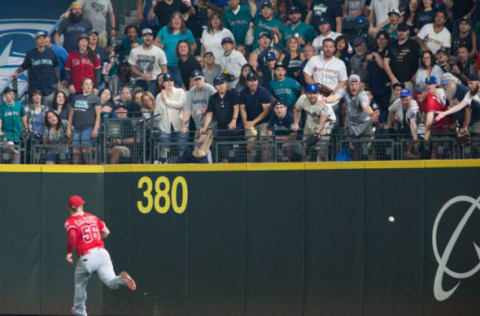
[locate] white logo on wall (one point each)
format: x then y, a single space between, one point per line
16 38
439 292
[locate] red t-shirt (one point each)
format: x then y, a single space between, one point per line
88 228
433 104
81 67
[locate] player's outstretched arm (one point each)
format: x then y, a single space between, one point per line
69 258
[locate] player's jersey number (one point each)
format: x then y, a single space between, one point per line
90 233
162 195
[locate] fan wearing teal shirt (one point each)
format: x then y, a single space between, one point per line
168 38
283 87
305 33
266 22
237 18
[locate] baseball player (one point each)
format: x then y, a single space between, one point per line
85 233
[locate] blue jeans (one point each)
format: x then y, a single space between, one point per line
174 71
167 140
82 137
146 85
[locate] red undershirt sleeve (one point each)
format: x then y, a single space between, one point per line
71 239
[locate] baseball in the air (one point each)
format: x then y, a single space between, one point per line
145 293
391 219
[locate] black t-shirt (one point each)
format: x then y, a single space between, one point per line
404 59
84 110
281 126
41 70
253 102
222 109
328 9
424 17
377 77
186 69
461 8
164 11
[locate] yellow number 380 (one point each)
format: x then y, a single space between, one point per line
164 197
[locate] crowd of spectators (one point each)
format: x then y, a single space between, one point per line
251 70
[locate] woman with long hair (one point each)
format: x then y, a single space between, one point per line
377 77
242 82
341 52
293 58
82 63
187 63
425 14
35 114
60 105
213 35
410 16
106 101
55 134
168 38
427 68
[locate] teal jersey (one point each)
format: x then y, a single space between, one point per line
238 23
288 90
170 41
11 116
304 30
265 26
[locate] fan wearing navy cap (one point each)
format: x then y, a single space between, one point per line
303 32
265 21
255 103
280 126
231 61
320 119
42 67
283 87
223 107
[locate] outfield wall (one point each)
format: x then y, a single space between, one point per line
251 239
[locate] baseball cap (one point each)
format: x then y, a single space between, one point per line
394 11
270 56
197 74
93 32
442 51
252 76
473 77
75 201
420 87
295 9
446 78
82 36
147 31
405 93
167 77
354 78
264 34
322 20
207 52
218 80
398 84
358 41
402 27
76 5
8 89
312 88
431 80
227 39
278 102
120 106
280 64
266 4
40 34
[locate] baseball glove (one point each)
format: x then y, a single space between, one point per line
324 90
413 150
464 138
312 140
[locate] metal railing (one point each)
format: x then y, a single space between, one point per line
133 141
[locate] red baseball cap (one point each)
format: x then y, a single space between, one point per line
75 201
